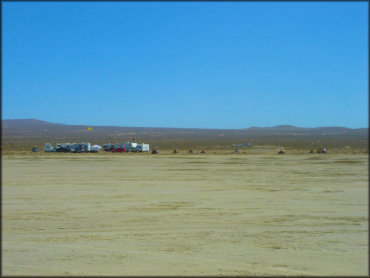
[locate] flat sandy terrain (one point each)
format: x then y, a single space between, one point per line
180 214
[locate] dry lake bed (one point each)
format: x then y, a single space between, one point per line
123 214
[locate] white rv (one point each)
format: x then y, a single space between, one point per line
142 147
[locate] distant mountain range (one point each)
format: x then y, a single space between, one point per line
33 130
33 125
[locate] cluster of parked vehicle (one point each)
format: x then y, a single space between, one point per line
126 147
73 148
86 147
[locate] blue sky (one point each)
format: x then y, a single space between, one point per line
186 64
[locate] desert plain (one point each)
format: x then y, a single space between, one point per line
184 214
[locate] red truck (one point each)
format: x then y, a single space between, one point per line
119 150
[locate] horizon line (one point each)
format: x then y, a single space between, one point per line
280 125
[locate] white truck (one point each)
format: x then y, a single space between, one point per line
141 148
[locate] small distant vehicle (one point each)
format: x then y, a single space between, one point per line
281 151
155 150
119 150
321 150
48 147
34 149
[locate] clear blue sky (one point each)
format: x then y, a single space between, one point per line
186 64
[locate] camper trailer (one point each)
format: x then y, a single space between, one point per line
80 147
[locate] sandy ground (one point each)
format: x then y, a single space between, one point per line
237 214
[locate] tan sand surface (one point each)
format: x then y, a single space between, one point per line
236 214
